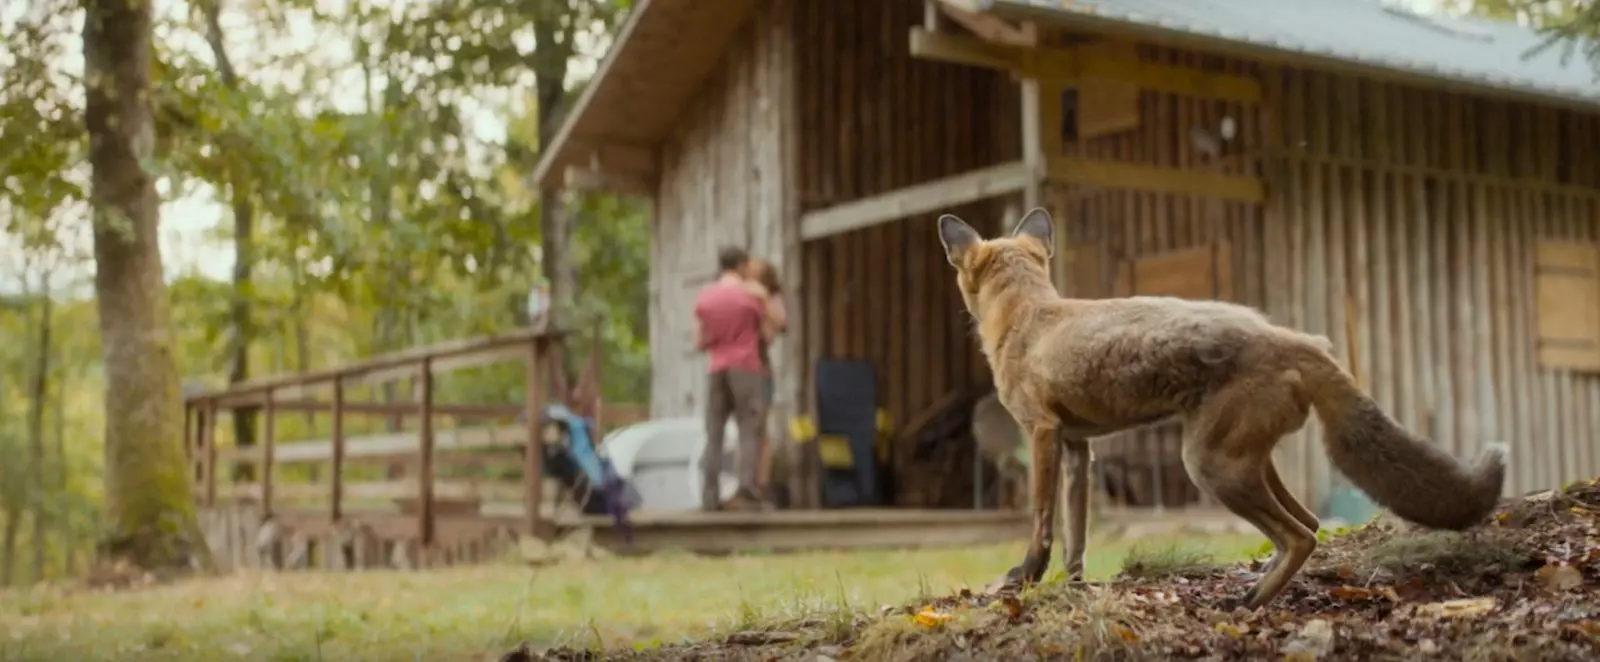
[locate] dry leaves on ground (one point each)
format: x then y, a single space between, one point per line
1526 585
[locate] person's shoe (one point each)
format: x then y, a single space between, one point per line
742 500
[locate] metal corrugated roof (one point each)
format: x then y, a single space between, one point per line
1466 50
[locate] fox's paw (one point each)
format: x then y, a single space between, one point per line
1233 603
1245 601
1011 582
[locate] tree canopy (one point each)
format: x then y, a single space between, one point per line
336 180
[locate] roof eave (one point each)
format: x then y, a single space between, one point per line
545 171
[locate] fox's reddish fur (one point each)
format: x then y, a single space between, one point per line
1071 369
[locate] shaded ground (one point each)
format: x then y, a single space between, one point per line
477 613
1526 586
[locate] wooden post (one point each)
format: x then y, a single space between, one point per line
268 449
208 435
338 449
533 455
425 473
188 438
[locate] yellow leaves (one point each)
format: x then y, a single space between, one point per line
1231 630
930 618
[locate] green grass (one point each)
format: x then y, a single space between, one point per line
473 613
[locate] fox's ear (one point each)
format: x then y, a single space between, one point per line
957 237
1037 224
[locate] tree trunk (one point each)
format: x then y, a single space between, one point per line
244 213
553 34
8 566
149 511
37 390
65 523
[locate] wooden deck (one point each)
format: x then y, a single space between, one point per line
474 537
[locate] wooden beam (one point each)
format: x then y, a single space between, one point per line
616 157
389 445
987 26
291 494
922 198
1081 171
606 181
454 355
1068 66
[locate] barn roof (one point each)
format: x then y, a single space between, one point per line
667 48
1487 54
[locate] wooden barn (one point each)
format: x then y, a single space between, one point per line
1410 185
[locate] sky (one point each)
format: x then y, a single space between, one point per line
189 221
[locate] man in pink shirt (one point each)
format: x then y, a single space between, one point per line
729 320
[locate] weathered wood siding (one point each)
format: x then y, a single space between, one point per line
1421 208
1110 227
723 182
873 119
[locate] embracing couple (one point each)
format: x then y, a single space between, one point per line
737 316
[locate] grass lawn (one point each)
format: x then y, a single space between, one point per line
472 613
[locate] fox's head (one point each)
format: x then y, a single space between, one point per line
1022 259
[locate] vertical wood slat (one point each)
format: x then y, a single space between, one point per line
269 442
208 436
425 509
533 450
336 436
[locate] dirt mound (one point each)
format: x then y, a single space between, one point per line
1525 586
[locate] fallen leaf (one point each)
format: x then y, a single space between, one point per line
1559 577
1589 629
1314 640
1353 593
1228 629
1457 608
1011 605
928 617
1124 633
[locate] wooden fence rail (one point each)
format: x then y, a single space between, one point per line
292 393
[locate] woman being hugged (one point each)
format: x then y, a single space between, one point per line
761 278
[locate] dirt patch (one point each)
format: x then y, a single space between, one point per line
1525 586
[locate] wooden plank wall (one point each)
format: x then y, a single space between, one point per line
1105 227
1422 208
723 182
873 119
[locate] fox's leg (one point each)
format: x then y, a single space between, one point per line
1075 500
1228 449
1044 471
1270 473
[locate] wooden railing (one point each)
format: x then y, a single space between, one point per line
424 448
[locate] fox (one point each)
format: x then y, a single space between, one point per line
1070 369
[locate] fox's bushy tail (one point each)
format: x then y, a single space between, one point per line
1411 476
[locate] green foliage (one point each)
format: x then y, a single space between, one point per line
1571 27
389 209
